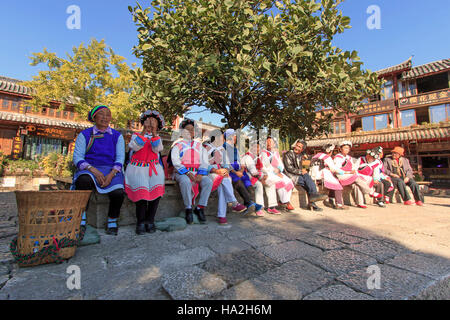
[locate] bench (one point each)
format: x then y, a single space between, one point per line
170 205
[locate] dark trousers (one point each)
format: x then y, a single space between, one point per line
85 182
146 211
401 187
383 188
307 183
243 192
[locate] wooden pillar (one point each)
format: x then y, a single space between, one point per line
348 124
396 97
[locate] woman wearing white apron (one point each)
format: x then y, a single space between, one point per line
274 168
326 171
220 178
345 162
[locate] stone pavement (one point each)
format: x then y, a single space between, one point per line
299 255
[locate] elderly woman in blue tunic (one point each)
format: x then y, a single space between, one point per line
99 155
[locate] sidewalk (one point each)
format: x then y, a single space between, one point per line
300 255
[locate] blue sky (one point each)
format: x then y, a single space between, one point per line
408 27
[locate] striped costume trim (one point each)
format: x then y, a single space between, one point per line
92 140
143 164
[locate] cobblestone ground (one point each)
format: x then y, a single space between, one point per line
299 255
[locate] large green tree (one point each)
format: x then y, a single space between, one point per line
90 76
261 63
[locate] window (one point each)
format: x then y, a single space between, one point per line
387 91
5 104
378 122
439 113
15 105
339 127
51 112
407 88
408 117
381 121
367 123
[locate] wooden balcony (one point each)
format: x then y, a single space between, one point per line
425 99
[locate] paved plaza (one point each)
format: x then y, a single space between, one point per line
298 255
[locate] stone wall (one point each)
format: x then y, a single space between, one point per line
23 182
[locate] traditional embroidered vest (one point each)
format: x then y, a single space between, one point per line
347 165
146 157
100 148
190 154
366 168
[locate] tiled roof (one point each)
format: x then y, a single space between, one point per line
388 135
400 67
25 118
425 69
13 86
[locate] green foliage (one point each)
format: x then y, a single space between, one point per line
3 162
21 166
91 76
261 63
58 165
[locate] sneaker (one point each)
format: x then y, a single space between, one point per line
376 195
362 206
381 204
329 204
260 213
223 221
273 211
341 207
314 207
408 203
419 203
251 208
289 206
239 208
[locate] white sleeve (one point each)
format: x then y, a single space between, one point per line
176 161
133 145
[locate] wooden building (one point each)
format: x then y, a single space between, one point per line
412 111
28 134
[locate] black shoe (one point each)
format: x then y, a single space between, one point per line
329 204
150 228
82 233
314 207
317 197
200 214
112 231
140 229
189 216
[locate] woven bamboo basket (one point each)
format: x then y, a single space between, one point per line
46 216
